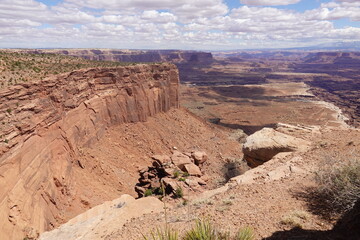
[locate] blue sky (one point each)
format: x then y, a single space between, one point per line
182 24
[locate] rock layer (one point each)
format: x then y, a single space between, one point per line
174 56
105 218
44 124
263 145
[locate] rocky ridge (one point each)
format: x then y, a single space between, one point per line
44 124
119 55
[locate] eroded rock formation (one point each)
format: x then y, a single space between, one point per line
174 56
172 173
263 145
43 124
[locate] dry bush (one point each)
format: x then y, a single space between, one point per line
338 185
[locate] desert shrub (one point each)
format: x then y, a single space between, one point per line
295 219
179 193
166 234
177 174
246 233
203 230
339 186
148 192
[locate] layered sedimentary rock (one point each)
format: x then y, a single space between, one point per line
43 124
174 56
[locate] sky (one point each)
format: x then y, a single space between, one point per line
177 24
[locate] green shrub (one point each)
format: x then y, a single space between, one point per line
186 174
246 233
166 234
177 174
148 192
179 193
203 230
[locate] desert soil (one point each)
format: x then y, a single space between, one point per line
270 206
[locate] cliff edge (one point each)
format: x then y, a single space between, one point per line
45 123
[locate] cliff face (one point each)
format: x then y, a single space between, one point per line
43 124
174 56
333 58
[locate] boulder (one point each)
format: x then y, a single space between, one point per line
170 184
180 159
192 169
194 182
140 190
199 157
162 159
263 145
169 171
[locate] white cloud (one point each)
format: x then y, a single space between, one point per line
158 17
334 11
202 24
185 9
268 2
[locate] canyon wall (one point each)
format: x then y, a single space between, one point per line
174 56
44 123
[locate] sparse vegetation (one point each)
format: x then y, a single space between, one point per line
203 230
295 219
179 193
17 66
166 234
177 174
339 185
246 233
148 192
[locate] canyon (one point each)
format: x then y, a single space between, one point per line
72 144
45 123
174 56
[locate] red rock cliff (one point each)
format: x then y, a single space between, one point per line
43 124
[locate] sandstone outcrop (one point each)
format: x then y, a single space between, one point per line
179 171
105 218
44 124
263 145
